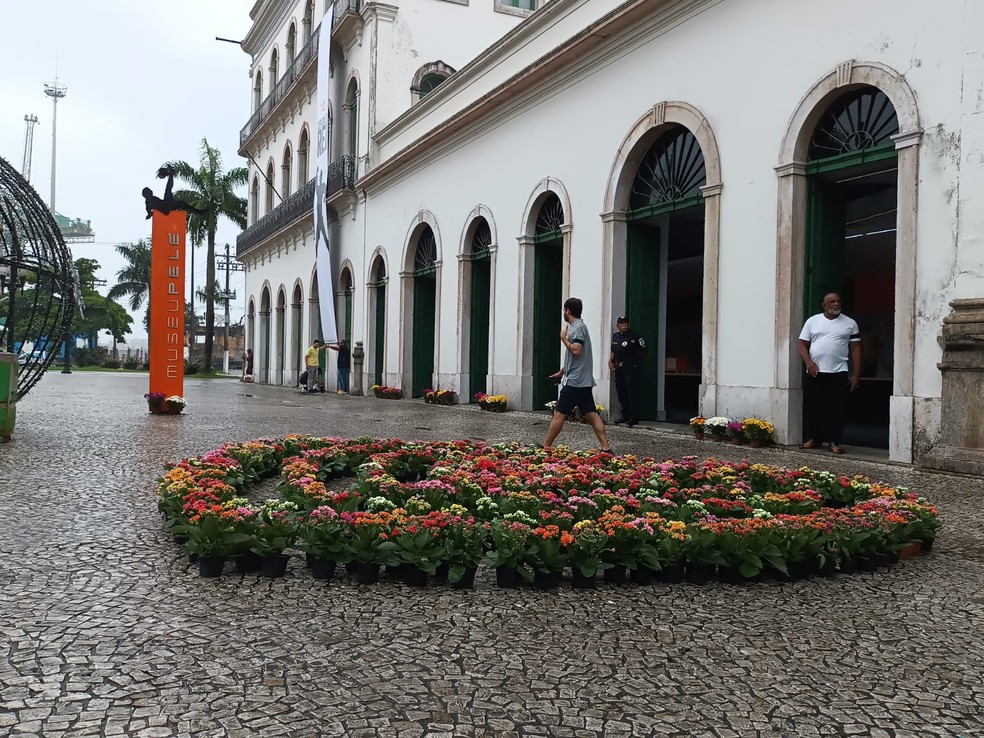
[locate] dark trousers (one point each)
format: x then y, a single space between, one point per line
826 404
343 375
625 380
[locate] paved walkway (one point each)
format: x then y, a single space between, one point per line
106 630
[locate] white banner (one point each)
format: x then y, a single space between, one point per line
326 289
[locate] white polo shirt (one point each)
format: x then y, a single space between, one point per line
829 341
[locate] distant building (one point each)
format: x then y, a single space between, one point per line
708 167
75 230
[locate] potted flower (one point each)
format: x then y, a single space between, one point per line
440 397
716 426
548 555
174 405
155 402
419 543
492 403
370 544
702 552
511 548
736 432
386 393
277 530
464 545
758 432
589 541
213 536
697 424
324 540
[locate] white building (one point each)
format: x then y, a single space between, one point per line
709 167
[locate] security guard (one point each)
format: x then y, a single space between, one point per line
627 351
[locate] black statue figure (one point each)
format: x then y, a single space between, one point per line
169 203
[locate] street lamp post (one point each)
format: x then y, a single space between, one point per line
69 339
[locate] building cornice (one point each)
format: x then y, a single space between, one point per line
270 15
624 18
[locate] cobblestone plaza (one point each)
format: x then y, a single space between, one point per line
105 629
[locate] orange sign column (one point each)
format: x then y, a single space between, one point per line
167 303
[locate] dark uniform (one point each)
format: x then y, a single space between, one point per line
627 351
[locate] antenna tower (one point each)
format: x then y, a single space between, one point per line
56 91
30 121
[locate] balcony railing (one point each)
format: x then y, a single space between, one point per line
341 175
280 90
294 208
345 6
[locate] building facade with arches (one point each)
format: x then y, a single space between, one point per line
713 201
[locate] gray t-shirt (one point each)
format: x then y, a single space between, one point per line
577 369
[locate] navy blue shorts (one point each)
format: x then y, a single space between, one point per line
575 397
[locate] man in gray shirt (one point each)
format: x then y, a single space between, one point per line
576 379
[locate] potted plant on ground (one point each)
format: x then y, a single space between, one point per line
324 540
174 405
386 393
464 544
440 397
155 402
213 536
492 403
276 532
716 426
370 544
736 432
589 541
420 546
758 432
697 425
511 548
548 555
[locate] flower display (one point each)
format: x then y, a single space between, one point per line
440 397
536 512
717 425
697 425
759 430
386 393
492 403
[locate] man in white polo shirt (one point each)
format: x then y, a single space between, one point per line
824 344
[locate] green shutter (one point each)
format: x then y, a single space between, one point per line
379 343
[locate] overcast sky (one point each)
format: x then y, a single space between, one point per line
146 81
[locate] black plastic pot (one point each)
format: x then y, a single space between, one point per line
730 575
275 565
415 577
247 562
580 581
546 579
210 566
699 573
642 575
507 577
467 580
671 573
366 572
323 569
615 575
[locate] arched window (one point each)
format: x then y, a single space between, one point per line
274 68
672 170
285 171
254 200
482 239
429 77
859 120
269 187
302 159
428 84
352 109
425 259
307 19
550 219
257 89
291 47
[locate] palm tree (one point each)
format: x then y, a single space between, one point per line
212 191
133 279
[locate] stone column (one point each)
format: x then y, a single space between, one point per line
961 447
358 354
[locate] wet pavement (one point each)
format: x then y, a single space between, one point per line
105 629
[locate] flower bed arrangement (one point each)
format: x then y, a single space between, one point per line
440 397
158 404
532 513
492 403
386 393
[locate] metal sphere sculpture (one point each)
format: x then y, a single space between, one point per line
39 288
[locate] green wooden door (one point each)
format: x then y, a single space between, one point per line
347 330
825 245
267 369
424 317
478 348
379 341
548 308
642 297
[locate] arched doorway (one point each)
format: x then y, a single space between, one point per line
377 321
664 277
478 259
296 335
852 212
424 312
263 357
281 351
346 297
548 297
250 332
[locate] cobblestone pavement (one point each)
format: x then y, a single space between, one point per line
106 630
